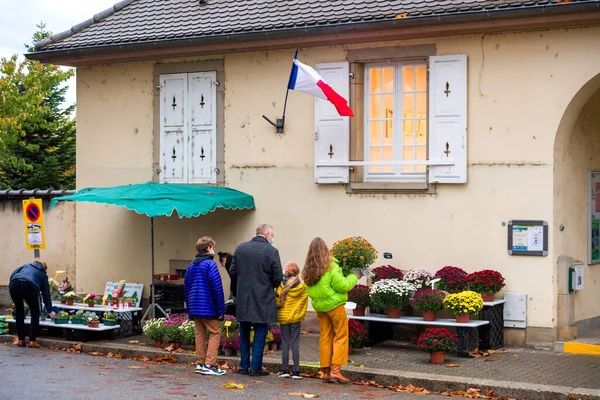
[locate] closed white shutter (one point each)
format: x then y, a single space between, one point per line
332 132
448 117
203 116
172 128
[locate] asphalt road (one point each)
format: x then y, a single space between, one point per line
44 373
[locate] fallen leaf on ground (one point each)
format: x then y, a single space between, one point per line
133 341
452 365
15 341
304 332
305 395
223 365
366 348
361 366
309 374
257 381
499 351
164 360
515 356
170 347
233 385
136 366
102 373
269 352
96 353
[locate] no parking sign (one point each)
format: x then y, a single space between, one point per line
33 218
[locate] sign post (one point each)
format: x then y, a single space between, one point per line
33 223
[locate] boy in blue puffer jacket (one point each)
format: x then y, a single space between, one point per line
205 305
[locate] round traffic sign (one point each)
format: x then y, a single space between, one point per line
32 212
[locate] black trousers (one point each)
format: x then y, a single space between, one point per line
21 290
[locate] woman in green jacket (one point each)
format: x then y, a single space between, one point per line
328 289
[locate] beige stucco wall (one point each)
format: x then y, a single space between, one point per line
59 229
519 86
577 151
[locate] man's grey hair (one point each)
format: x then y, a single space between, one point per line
263 229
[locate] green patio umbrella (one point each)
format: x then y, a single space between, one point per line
160 199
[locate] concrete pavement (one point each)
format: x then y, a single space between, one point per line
513 373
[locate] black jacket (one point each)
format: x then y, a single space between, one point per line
35 274
256 271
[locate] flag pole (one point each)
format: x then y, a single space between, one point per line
279 123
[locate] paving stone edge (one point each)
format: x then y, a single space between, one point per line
432 382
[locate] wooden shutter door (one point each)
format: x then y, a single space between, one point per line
203 116
172 128
448 117
332 132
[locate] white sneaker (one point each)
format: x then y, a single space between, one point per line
296 375
200 368
212 370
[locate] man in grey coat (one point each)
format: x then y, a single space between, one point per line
255 272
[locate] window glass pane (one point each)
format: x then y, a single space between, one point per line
388 155
375 155
421 105
421 131
388 80
408 155
388 132
375 107
408 105
408 136
408 79
421 77
375 77
421 155
375 133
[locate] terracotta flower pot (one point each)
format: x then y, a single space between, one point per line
487 296
176 346
272 346
437 357
462 318
91 304
70 302
349 349
428 315
63 301
227 351
359 311
93 324
393 312
158 343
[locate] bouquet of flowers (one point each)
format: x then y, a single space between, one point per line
187 332
391 293
155 329
386 272
453 279
354 254
437 339
356 333
466 302
172 324
419 278
91 298
119 291
428 300
488 280
359 294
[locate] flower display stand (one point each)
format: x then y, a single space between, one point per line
491 336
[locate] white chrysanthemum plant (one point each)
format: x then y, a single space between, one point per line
391 293
420 278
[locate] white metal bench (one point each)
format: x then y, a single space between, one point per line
84 328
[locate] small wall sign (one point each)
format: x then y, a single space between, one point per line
528 237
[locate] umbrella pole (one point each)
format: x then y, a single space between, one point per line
153 304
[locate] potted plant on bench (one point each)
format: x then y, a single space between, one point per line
437 341
155 330
357 334
91 299
429 301
359 294
391 295
487 282
110 318
453 279
92 319
78 318
62 318
463 304
70 297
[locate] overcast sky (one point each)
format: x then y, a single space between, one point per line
18 20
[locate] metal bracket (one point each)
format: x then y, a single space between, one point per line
278 124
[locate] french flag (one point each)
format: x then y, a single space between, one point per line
305 79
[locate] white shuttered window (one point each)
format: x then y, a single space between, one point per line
188 128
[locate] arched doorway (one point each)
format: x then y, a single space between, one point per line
576 151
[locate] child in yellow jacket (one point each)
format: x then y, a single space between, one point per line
292 301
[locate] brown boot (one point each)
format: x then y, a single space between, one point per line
336 374
324 373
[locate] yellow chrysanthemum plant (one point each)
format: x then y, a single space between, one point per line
464 303
354 254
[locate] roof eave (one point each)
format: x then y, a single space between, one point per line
481 21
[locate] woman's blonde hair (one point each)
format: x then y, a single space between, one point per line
292 280
42 263
317 261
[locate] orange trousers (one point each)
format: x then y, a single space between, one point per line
207 352
333 342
